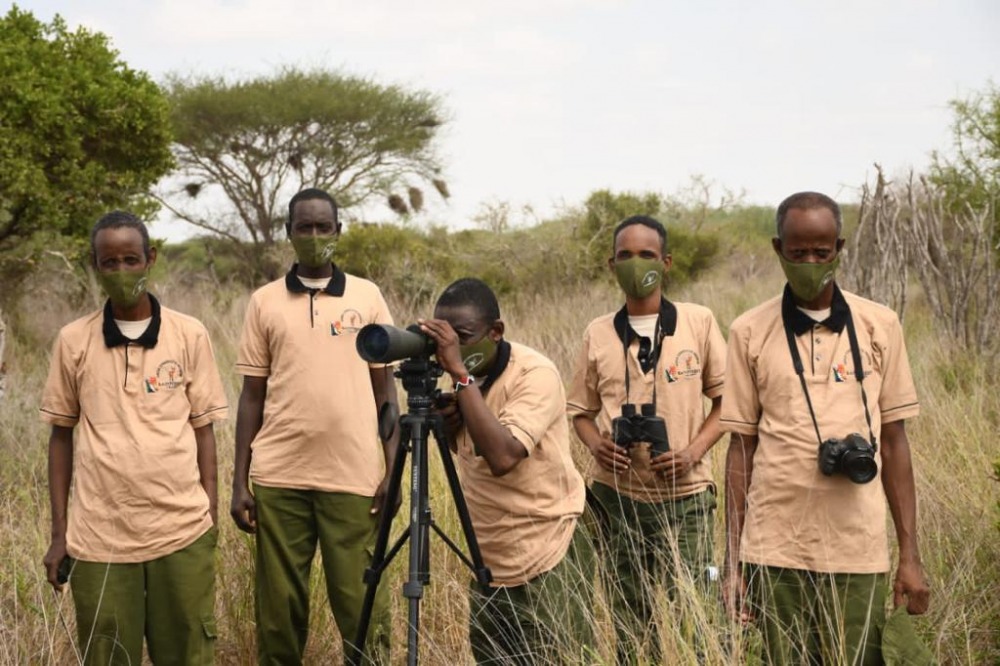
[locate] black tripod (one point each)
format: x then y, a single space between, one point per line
419 376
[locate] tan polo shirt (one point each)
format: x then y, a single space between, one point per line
691 367
320 428
797 517
136 492
524 520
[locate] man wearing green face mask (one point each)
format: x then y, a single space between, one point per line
139 384
668 357
506 424
310 469
807 552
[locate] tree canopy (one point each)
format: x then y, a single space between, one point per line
80 132
258 141
970 173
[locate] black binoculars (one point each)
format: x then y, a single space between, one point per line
631 428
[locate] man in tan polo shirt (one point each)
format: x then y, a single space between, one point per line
805 521
508 428
141 383
659 505
307 437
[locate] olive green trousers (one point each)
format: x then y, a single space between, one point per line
170 601
290 524
548 620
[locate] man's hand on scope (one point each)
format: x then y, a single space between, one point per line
449 357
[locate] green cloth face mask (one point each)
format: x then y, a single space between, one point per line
478 357
808 280
314 251
639 277
124 288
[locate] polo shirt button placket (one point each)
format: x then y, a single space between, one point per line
133 367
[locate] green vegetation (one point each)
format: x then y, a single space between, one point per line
970 172
81 134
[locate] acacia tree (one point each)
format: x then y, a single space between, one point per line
256 142
80 132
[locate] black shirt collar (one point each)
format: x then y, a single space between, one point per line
668 321
334 288
800 322
113 337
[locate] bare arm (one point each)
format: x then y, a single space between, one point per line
675 463
897 480
384 390
60 477
249 418
494 442
208 470
739 474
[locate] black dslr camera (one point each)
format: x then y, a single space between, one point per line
852 456
631 428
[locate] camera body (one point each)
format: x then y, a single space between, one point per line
853 456
631 428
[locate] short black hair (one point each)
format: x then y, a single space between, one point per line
117 219
474 292
806 201
646 221
308 194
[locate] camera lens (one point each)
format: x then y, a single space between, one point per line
381 343
859 466
373 342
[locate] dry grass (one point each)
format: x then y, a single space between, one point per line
953 443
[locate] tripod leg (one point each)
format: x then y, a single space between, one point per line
420 520
373 574
482 572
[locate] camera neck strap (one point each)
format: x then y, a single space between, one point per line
859 373
666 324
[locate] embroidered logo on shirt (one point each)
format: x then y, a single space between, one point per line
840 372
687 365
169 375
352 321
152 386
845 369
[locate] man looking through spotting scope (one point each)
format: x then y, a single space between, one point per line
818 386
638 403
506 423
308 415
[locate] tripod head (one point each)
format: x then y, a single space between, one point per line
419 375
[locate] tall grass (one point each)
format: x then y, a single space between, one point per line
953 444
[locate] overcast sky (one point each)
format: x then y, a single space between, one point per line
551 99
